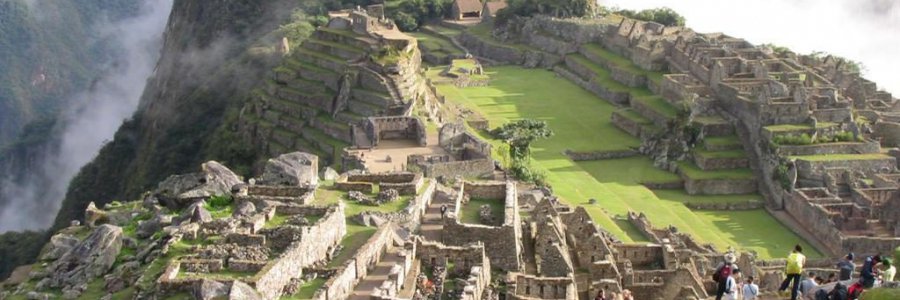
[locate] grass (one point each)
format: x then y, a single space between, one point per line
307 290
659 105
881 294
622 62
692 171
357 236
722 140
797 127
483 32
435 44
836 157
581 123
739 153
634 116
470 212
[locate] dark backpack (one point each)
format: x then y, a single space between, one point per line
839 292
821 295
722 273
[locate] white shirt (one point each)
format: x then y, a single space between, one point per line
731 289
751 291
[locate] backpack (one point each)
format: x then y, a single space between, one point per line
839 292
821 295
722 273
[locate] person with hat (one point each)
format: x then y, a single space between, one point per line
723 273
846 267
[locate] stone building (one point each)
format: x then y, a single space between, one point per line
466 10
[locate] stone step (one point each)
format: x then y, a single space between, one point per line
717 182
720 160
631 122
334 49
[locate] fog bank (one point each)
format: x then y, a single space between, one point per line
867 31
92 120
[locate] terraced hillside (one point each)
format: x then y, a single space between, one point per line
581 121
316 99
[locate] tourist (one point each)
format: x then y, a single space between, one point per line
832 277
751 290
839 292
626 295
731 285
808 283
443 211
855 290
846 267
794 268
869 271
889 270
601 294
722 273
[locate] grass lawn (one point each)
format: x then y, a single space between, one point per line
307 290
435 43
797 127
692 171
833 157
881 294
470 212
581 122
722 140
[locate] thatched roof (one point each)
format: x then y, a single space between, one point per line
466 6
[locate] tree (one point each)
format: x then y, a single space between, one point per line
556 8
661 15
520 134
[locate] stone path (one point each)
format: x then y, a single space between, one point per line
432 225
377 276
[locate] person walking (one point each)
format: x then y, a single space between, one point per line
846 267
731 285
443 211
722 273
750 290
794 268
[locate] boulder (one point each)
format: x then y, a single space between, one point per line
242 291
59 245
296 168
94 216
179 190
89 259
330 174
200 215
211 290
388 195
244 209
149 227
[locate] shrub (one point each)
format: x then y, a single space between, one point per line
524 172
220 201
661 15
790 139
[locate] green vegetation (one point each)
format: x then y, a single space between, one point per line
721 154
470 212
556 8
806 139
581 123
410 14
692 171
307 290
436 45
661 15
220 206
357 236
622 62
722 140
797 127
881 294
837 157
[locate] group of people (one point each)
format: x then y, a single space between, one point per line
728 282
602 294
875 269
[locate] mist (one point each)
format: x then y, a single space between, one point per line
861 30
92 120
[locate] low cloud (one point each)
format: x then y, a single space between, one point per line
95 116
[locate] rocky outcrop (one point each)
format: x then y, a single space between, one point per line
89 259
179 190
59 245
294 168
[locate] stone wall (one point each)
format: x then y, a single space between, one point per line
315 243
534 287
406 183
719 186
600 155
465 169
396 128
720 163
345 279
889 132
812 169
505 247
830 148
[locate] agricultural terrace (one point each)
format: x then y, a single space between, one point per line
581 122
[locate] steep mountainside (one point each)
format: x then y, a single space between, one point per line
49 51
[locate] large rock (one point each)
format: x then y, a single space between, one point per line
179 190
330 174
149 227
58 246
211 290
243 209
94 216
296 168
90 259
242 291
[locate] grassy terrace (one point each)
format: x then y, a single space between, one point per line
692 171
722 140
739 153
604 77
835 157
483 32
634 116
581 122
797 127
435 44
470 212
622 62
659 105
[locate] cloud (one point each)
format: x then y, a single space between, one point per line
93 119
861 30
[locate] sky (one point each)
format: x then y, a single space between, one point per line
867 31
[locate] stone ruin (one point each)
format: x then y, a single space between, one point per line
468 156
